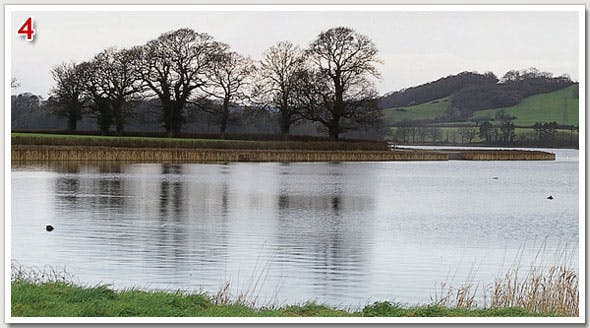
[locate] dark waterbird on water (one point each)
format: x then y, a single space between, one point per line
49 227
550 197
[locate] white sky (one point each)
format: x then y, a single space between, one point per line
416 47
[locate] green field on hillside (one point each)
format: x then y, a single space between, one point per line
425 111
560 106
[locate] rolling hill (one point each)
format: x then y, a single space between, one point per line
560 106
427 111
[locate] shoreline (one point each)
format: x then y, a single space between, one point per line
64 299
26 153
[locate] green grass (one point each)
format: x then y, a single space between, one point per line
61 299
19 138
425 111
112 138
546 107
560 106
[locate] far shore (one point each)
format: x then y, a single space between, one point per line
51 147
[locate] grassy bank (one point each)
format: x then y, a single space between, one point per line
541 290
66 300
190 143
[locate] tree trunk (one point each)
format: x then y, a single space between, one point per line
118 118
104 120
338 110
224 117
72 123
174 119
334 129
74 115
284 123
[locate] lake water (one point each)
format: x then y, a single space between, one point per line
344 234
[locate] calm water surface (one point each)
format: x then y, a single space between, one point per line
339 233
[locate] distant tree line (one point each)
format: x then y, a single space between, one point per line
440 88
329 83
501 132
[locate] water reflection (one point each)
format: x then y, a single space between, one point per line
340 233
316 230
171 193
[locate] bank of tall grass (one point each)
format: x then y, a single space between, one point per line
55 147
505 155
59 299
89 153
50 293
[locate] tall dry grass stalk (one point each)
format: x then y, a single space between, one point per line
541 289
250 296
39 275
463 297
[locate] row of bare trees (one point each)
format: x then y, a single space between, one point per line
330 82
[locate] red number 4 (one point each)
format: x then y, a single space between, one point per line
27 29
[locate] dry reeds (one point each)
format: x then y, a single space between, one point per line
463 297
68 153
505 155
38 275
551 289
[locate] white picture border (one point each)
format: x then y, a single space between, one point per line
9 29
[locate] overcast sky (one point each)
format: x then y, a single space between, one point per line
416 47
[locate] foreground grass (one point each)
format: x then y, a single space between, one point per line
59 299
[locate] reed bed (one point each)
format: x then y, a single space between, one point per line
553 290
80 153
506 155
174 143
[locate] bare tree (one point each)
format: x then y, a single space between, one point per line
435 134
173 66
344 61
113 81
467 133
67 97
97 100
228 77
281 82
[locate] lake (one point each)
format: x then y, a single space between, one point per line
344 234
